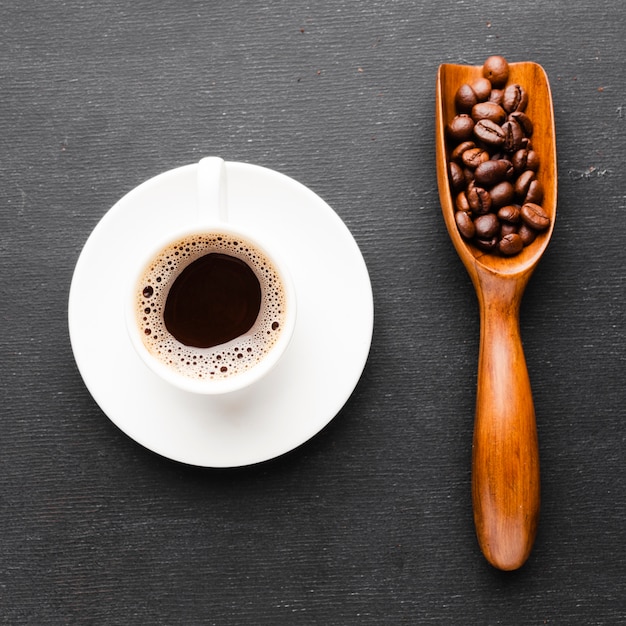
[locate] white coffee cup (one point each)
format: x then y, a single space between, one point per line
210 309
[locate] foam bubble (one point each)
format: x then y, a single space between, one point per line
226 360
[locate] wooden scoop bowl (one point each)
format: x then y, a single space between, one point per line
505 457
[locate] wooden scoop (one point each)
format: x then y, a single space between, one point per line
505 458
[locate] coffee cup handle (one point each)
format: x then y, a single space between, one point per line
211 177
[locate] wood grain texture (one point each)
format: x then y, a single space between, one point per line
371 521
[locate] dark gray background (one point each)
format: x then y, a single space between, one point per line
370 522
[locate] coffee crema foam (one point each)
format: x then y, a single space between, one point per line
226 360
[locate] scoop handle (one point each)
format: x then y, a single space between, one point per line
505 456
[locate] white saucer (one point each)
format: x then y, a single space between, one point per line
315 377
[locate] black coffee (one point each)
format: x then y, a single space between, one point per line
214 300
210 306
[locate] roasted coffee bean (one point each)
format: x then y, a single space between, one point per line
460 128
488 111
474 156
513 135
523 183
489 132
482 88
527 234
496 95
487 244
465 98
479 200
509 213
515 98
461 202
525 159
464 224
457 178
496 70
486 226
535 216
461 148
506 228
510 171
492 172
532 159
510 244
535 192
502 194
524 121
